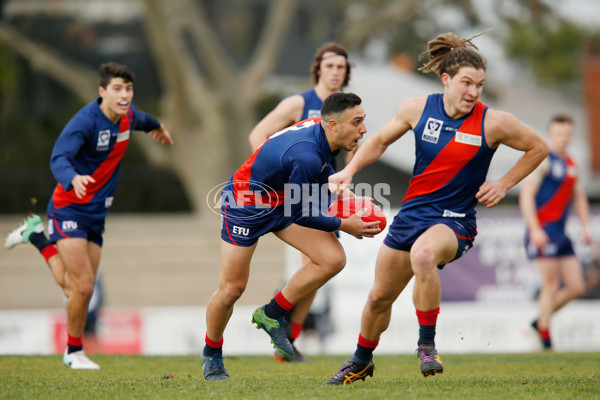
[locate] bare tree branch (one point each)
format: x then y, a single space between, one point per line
73 76
217 62
183 81
361 26
271 40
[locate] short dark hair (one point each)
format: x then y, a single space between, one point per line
561 119
111 70
332 47
338 102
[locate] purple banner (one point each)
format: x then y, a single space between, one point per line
496 269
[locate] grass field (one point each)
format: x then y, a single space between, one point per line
474 376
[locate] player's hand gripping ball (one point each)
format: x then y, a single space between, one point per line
348 206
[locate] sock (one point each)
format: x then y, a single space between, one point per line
427 322
545 336
278 306
49 251
296 328
212 347
74 343
39 240
364 350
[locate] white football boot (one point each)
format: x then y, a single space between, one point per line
20 235
78 360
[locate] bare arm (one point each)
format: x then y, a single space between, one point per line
287 112
582 209
529 190
503 128
406 118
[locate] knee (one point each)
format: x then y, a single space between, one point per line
378 303
84 289
232 292
578 290
335 262
422 261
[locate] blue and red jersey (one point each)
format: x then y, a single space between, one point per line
312 109
297 157
91 144
452 160
555 195
312 105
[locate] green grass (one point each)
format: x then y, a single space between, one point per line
474 376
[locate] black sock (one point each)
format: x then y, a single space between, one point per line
363 355
426 335
73 349
274 310
39 240
211 351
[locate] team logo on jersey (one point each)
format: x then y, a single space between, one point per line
314 113
467 138
432 130
103 140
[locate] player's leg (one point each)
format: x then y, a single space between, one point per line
233 278
549 270
438 245
392 274
297 317
81 259
32 231
327 258
571 273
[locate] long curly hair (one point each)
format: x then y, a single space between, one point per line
448 53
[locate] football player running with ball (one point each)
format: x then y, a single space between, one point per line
456 137
257 201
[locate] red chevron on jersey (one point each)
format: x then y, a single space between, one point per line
241 179
555 207
450 160
102 174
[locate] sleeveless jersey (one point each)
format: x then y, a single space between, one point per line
553 199
312 109
452 160
312 105
90 144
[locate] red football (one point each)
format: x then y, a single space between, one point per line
348 206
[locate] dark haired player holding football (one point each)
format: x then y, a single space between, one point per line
85 161
330 71
255 202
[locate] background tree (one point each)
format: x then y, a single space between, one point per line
213 72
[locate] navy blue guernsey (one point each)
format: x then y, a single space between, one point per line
298 155
91 144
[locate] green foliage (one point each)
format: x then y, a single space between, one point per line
553 53
473 376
